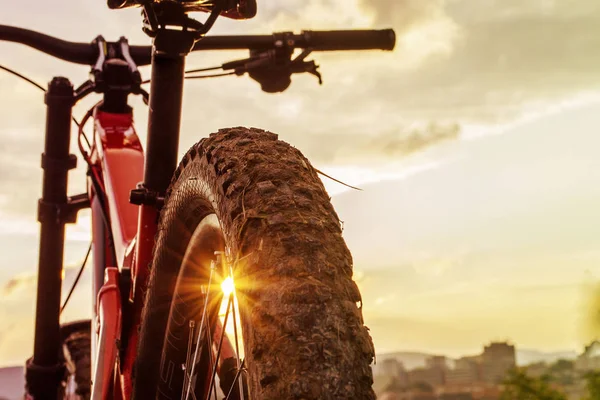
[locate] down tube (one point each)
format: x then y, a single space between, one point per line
161 160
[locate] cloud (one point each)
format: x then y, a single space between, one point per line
27 282
423 28
478 314
17 338
456 62
310 14
18 283
20 172
510 57
417 140
344 148
405 14
4 331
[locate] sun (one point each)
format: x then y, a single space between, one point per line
227 286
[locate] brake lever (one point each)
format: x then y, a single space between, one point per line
145 95
84 89
307 66
124 48
273 68
312 68
96 71
97 82
302 56
135 73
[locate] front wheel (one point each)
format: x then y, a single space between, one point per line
249 206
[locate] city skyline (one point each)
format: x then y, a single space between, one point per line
492 374
484 373
524 356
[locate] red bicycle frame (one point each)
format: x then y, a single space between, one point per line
126 185
123 233
118 158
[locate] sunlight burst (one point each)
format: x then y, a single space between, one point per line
227 286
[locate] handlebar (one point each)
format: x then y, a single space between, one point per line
86 53
316 40
350 40
78 53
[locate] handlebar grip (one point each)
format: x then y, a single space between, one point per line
350 40
79 53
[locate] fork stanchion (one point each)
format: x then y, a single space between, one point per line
44 372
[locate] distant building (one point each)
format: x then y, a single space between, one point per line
466 371
389 373
476 391
438 367
537 369
416 396
590 358
432 376
456 396
489 393
390 367
497 359
471 378
473 359
440 362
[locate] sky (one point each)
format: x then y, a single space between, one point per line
474 143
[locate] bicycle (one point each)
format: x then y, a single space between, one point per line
242 223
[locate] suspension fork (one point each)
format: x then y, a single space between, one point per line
44 371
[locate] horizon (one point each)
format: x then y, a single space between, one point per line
530 351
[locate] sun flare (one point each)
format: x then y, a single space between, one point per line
227 286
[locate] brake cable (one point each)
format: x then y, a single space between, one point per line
93 176
234 64
18 75
37 85
76 281
191 71
210 76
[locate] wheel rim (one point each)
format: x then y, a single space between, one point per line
215 322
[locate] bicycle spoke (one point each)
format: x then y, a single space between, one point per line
237 347
194 396
186 376
210 353
200 333
190 377
214 371
237 375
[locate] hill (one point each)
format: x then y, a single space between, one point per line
12 383
527 356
